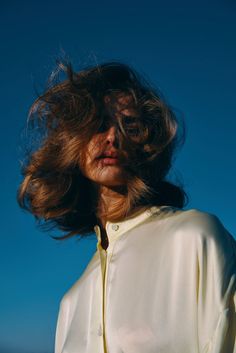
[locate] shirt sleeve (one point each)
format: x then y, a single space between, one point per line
217 289
62 325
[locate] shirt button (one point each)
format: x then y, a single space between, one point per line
100 330
115 227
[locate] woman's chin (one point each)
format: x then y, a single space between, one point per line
112 176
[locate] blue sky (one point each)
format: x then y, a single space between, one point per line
187 49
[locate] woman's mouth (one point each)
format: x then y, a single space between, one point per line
109 160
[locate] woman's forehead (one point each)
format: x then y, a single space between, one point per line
120 103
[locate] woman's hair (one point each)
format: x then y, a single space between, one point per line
68 114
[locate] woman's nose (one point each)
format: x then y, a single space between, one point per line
111 135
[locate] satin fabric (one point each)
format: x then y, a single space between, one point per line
165 284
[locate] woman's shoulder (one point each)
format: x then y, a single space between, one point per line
204 229
195 237
200 227
195 219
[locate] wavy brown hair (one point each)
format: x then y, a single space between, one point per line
68 114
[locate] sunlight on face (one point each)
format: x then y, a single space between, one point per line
103 160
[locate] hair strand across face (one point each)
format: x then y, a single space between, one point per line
68 114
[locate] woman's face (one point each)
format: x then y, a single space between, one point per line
102 159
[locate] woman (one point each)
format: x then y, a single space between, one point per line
162 278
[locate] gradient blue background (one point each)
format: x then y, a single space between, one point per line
187 48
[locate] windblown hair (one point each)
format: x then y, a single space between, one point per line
69 113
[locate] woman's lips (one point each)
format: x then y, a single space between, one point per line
109 160
110 157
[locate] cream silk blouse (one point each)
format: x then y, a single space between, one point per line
165 284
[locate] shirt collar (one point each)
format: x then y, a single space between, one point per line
118 228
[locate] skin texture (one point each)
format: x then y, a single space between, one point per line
103 172
99 170
108 176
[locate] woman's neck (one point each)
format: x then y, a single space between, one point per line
106 198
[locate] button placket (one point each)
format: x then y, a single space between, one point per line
100 332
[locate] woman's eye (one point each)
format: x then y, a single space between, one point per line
133 131
131 128
131 125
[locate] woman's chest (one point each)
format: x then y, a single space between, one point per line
132 303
